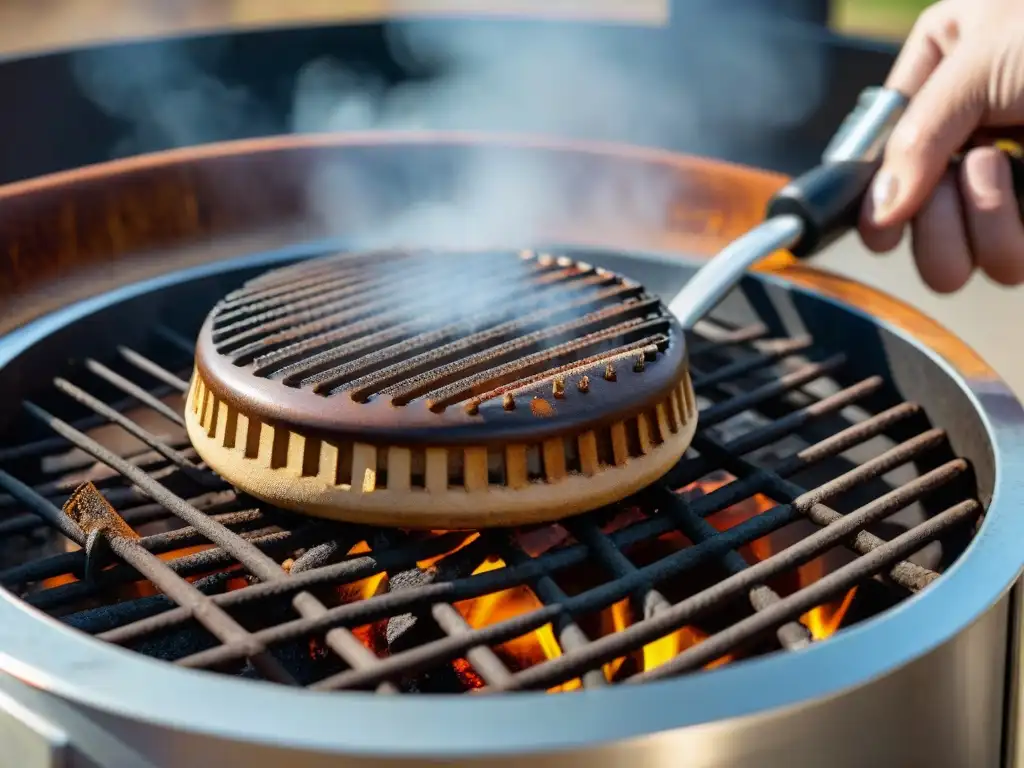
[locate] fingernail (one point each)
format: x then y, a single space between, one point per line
984 175
883 193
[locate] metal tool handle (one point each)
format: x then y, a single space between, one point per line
828 198
814 209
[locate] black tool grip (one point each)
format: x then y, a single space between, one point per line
828 199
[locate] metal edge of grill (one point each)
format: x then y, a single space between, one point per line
106 678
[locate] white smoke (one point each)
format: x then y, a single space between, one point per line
721 84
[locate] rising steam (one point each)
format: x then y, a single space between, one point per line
716 86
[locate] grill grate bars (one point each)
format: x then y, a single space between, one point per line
292 561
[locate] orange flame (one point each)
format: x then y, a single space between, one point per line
526 650
363 589
424 564
657 652
822 621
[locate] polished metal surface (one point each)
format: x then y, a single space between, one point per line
706 289
863 135
29 739
942 710
922 684
1014 742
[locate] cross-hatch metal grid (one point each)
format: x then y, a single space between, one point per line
259 587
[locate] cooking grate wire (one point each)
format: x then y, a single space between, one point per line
165 482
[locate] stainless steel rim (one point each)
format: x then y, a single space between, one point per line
43 653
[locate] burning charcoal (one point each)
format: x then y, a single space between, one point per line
305 663
413 629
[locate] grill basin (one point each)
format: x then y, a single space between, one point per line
901 676
362 387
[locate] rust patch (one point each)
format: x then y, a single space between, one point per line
541 408
92 512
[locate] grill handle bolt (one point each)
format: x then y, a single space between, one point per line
583 385
508 402
472 408
641 362
558 387
609 372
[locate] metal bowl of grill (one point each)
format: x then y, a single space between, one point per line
826 572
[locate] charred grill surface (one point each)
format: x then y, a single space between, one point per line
794 462
424 332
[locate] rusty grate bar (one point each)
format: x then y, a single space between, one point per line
88 519
425 628
601 597
132 389
884 556
246 553
47 445
384 605
792 635
568 633
655 526
608 648
178 459
156 371
822 590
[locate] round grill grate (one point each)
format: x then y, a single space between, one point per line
441 389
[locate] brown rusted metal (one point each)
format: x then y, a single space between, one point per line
88 508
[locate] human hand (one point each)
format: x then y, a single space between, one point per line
963 68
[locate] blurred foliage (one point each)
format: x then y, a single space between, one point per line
887 18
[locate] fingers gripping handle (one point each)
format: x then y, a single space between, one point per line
828 198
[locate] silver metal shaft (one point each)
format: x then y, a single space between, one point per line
714 280
861 137
865 131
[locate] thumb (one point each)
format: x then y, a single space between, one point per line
938 122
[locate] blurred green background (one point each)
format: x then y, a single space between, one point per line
885 18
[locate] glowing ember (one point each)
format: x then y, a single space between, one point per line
467 675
